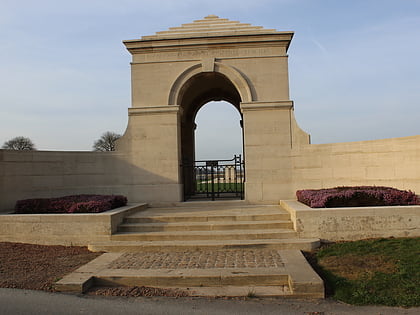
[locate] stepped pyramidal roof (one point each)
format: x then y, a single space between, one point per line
211 25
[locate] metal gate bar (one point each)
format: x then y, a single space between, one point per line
214 179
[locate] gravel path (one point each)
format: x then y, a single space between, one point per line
37 267
38 302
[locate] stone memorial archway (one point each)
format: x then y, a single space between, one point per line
174 73
177 71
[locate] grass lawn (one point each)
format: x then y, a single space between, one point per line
222 187
377 271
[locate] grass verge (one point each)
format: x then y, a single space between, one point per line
371 272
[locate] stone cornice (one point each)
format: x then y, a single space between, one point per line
282 39
166 109
266 105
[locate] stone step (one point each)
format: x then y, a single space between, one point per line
174 245
205 226
247 291
209 28
197 277
196 217
215 204
267 273
205 235
227 207
206 26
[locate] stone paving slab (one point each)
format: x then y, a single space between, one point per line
241 258
177 246
234 272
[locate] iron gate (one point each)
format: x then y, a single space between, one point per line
214 179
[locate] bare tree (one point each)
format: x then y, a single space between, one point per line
19 143
106 142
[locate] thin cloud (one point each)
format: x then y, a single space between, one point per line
320 46
63 62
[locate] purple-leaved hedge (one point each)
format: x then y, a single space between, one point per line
357 196
71 204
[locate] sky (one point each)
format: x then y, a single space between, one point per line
354 66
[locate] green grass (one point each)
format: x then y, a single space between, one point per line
251 294
379 271
220 187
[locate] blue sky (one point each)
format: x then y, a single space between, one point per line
65 77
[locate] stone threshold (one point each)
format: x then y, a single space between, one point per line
295 278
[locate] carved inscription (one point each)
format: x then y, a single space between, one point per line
234 52
199 54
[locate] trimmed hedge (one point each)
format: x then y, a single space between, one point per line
71 204
358 196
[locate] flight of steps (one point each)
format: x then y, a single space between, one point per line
206 225
206 249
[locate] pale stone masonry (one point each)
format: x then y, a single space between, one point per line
229 248
293 276
209 259
174 73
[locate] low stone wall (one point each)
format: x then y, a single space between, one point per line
63 229
336 224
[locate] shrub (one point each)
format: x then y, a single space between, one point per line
358 196
71 204
90 207
31 205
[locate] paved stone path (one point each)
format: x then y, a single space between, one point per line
208 259
218 272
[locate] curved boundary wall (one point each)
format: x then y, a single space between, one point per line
46 174
389 162
32 174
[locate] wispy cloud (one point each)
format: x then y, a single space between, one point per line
63 65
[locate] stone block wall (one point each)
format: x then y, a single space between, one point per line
45 174
79 229
338 224
389 162
30 174
273 175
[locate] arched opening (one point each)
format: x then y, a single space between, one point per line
218 132
201 89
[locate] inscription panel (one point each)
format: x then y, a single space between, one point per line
198 54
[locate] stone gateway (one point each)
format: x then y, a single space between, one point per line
230 248
174 73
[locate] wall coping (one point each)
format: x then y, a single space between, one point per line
64 229
298 207
353 223
110 213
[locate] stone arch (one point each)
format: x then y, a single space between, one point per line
194 88
234 76
175 72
